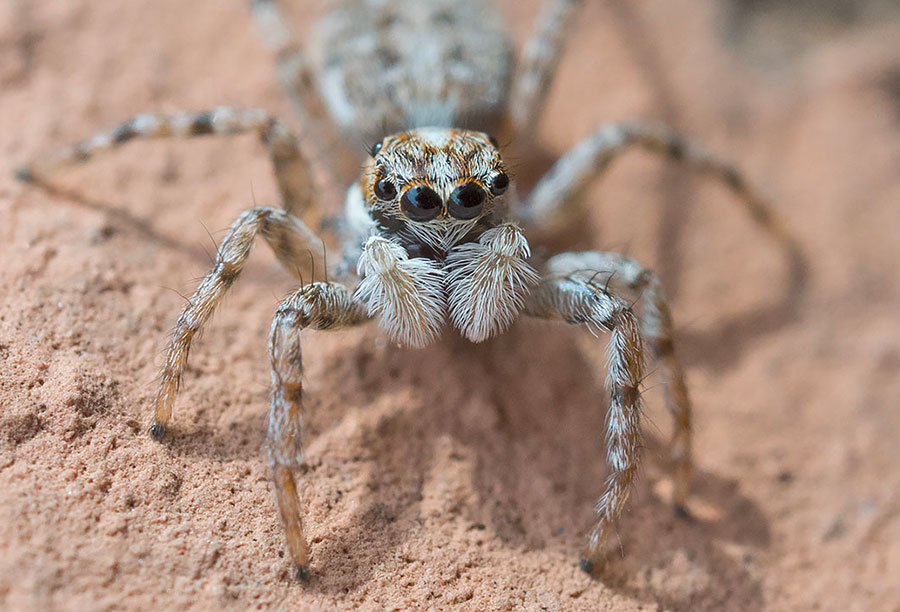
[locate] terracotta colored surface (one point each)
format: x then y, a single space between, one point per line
459 475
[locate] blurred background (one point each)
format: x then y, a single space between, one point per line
471 489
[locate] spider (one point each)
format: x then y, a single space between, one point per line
433 232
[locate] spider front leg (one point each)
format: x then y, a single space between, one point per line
583 302
291 169
296 247
625 276
324 306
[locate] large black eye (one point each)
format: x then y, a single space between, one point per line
421 203
385 190
375 148
499 184
466 201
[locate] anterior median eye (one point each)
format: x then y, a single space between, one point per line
466 201
421 203
385 190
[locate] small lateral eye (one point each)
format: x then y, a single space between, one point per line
493 141
421 203
499 184
375 148
385 190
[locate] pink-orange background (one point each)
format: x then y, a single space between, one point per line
459 475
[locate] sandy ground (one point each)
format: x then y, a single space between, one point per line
468 483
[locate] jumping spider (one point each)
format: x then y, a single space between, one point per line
433 232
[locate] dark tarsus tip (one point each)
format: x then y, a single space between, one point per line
301 573
24 174
733 178
586 566
682 512
157 430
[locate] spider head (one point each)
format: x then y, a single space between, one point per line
437 183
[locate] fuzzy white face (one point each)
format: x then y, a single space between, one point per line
442 250
435 186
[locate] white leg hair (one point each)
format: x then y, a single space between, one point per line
295 245
325 306
292 171
538 62
583 302
626 277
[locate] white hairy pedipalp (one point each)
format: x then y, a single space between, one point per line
487 282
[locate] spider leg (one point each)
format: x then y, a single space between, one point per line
627 277
574 300
295 71
291 168
325 306
296 247
590 158
294 68
538 62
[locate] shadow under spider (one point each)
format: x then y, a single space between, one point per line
528 409
240 440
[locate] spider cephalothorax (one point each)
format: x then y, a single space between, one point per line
440 247
435 188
